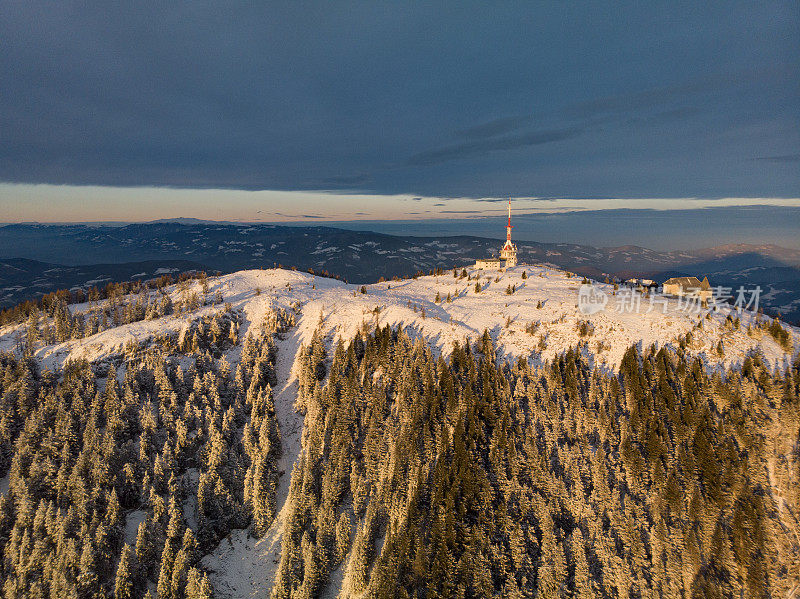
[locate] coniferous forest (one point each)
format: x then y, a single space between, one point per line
191 451
425 477
419 475
399 300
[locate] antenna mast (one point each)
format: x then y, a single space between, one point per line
508 226
509 251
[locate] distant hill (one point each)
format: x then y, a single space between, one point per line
182 220
22 279
358 256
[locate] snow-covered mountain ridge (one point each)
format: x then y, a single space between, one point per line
545 303
530 312
37 259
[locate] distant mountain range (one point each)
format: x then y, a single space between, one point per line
22 279
36 259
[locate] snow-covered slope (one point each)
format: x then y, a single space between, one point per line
547 298
537 321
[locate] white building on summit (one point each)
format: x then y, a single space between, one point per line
508 253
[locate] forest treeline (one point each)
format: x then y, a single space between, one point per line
419 476
190 453
49 303
468 477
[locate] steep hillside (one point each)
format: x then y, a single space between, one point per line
274 432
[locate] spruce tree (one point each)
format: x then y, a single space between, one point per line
123 583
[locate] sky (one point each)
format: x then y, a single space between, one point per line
340 111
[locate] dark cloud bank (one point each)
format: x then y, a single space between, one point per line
475 99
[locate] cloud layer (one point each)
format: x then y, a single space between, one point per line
468 100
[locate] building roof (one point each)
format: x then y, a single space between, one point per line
689 282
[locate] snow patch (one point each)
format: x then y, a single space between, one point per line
132 522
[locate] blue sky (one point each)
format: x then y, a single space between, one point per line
381 100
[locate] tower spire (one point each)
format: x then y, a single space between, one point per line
508 226
509 251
